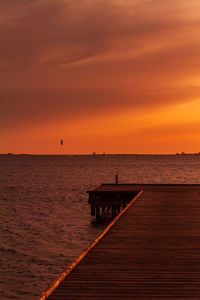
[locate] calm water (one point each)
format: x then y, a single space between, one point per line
45 220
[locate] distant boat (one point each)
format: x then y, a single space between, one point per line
94 153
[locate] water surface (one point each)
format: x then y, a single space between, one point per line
45 220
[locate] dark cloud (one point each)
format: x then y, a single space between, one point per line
33 108
82 29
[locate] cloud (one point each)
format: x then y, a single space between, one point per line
66 59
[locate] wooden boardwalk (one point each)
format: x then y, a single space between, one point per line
151 252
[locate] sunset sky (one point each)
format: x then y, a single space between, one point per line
115 76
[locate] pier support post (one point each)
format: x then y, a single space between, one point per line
116 179
113 212
92 211
97 213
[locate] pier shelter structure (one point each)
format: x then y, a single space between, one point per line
150 250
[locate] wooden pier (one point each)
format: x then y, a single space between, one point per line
151 250
108 197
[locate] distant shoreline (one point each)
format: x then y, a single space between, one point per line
103 154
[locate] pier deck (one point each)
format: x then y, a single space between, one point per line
152 251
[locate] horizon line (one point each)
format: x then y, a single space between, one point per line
96 154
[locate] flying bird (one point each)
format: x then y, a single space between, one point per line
61 142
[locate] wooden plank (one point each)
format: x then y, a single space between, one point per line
66 273
134 187
152 251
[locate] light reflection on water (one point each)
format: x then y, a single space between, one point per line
45 220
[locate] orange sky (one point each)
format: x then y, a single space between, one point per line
106 76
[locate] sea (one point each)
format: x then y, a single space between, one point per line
45 221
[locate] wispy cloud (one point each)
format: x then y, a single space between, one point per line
62 59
